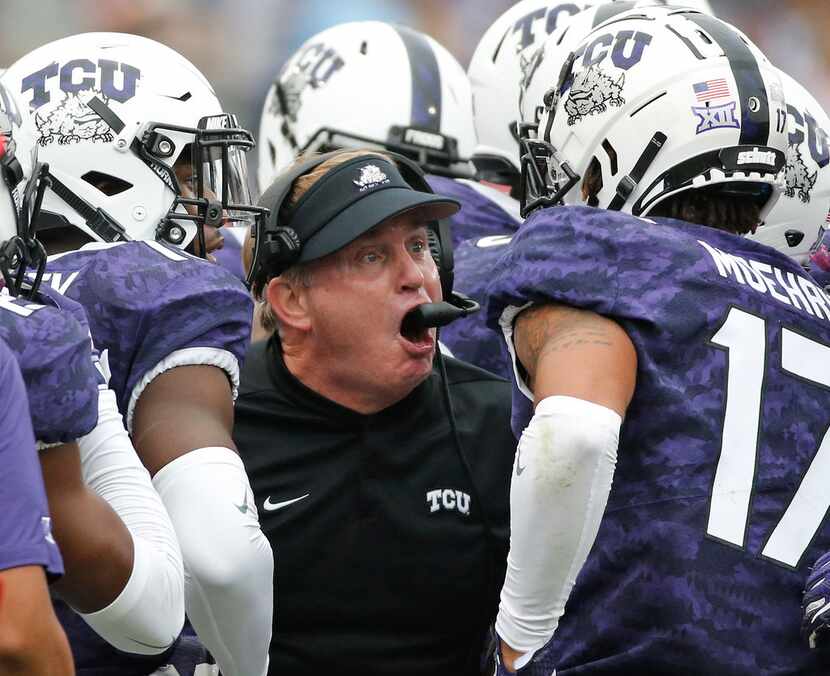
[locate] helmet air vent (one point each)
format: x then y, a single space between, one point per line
107 184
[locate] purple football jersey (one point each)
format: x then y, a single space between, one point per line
146 301
51 343
230 255
470 338
484 212
720 490
25 527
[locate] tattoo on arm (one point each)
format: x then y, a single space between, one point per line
546 329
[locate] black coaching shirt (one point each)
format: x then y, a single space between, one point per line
383 562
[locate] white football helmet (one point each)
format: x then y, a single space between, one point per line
503 59
22 184
716 116
371 84
496 71
798 219
136 141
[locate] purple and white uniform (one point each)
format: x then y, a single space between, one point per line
480 230
485 211
720 491
470 338
49 338
230 255
25 526
152 308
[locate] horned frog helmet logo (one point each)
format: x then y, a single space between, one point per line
73 121
797 178
370 177
293 87
591 93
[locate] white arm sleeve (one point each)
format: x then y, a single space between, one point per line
562 477
229 566
148 614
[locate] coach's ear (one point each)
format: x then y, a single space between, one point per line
288 300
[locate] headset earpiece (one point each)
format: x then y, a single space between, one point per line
282 246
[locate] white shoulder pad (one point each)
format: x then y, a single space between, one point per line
189 356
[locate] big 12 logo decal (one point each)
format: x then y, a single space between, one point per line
72 120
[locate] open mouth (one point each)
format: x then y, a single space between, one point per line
415 334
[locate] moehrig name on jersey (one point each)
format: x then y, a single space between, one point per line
786 287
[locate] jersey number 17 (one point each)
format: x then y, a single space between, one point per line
744 336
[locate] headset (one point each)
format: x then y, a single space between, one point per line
277 246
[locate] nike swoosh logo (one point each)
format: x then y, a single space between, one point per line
150 645
244 506
269 506
519 468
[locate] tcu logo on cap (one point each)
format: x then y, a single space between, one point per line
370 176
80 74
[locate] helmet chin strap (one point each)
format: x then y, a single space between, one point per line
629 183
105 227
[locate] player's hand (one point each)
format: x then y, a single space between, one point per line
815 607
501 668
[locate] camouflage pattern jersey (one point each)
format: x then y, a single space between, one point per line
151 307
25 527
484 209
720 493
146 302
230 255
470 339
49 338
480 230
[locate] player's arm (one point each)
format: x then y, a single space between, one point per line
126 584
182 429
581 368
31 639
95 545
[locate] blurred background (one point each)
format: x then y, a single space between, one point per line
240 45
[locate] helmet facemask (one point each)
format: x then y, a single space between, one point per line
22 256
209 176
545 178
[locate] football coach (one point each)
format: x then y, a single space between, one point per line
380 469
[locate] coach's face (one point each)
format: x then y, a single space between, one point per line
358 299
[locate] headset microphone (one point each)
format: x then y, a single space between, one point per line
432 315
